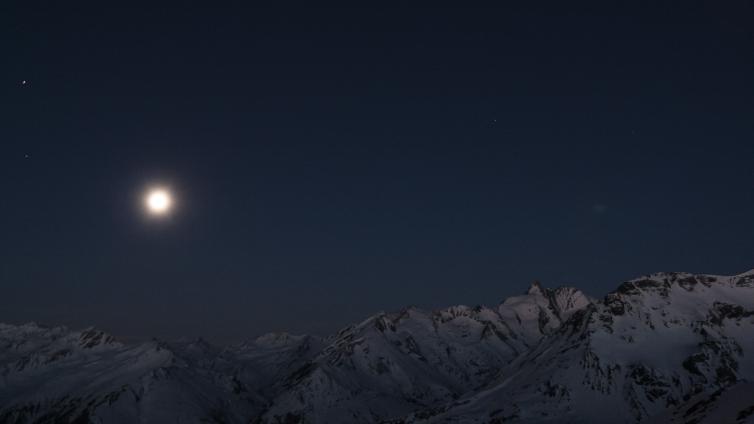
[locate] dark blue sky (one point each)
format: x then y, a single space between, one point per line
331 163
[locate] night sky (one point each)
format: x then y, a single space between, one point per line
331 163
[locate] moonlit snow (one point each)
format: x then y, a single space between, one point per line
664 348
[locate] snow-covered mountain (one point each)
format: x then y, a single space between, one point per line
670 347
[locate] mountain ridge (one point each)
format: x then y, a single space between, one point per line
673 345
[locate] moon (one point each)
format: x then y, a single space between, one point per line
158 201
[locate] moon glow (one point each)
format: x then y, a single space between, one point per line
158 201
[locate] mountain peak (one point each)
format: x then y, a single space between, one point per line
277 339
536 288
654 350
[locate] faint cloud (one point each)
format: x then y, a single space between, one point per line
599 208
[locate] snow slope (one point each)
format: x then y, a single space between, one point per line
653 345
669 347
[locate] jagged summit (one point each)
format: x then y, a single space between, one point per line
540 311
276 340
667 347
535 288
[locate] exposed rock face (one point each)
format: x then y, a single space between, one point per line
670 347
652 346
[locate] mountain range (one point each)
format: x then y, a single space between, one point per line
662 348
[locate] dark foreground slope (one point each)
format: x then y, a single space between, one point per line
669 347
